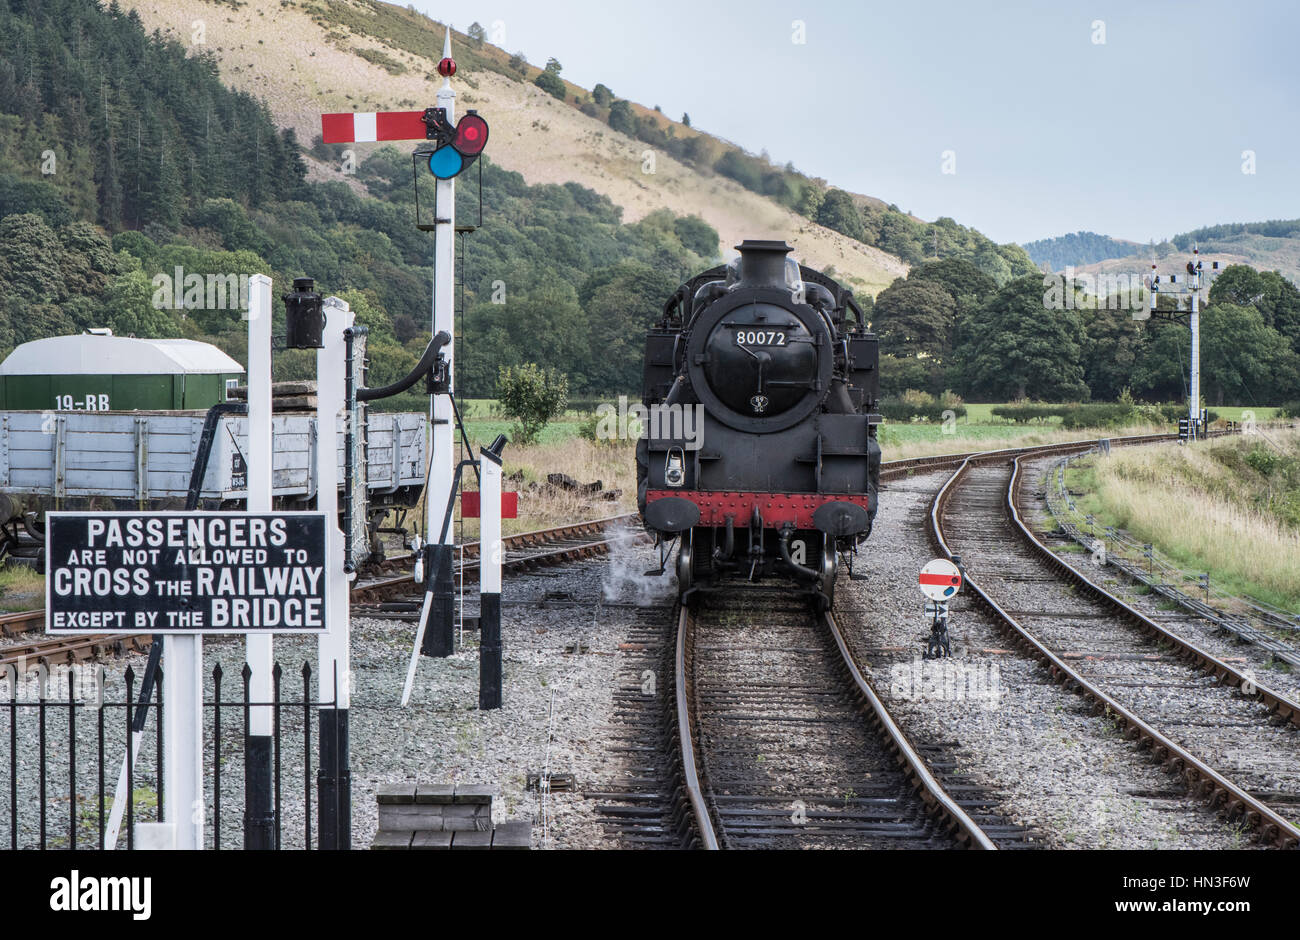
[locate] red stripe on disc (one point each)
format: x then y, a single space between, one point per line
337 128
400 125
939 579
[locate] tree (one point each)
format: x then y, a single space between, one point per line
549 80
1112 352
519 63
532 396
697 235
602 95
686 119
839 212
1019 349
621 118
129 312
619 303
31 258
1276 298
915 318
477 34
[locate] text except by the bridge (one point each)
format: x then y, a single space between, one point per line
186 572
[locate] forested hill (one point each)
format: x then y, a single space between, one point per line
367 55
1267 246
124 158
1077 249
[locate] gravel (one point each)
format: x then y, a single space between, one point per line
555 716
1059 769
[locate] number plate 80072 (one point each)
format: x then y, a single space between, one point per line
760 338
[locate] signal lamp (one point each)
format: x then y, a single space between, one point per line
304 316
471 134
447 68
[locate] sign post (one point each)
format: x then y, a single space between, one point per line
259 818
489 662
939 581
334 778
181 575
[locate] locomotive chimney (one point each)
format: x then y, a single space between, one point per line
762 263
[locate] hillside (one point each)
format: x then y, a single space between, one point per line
532 133
1265 246
1078 249
161 177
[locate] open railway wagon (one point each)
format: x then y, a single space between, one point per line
142 460
81 456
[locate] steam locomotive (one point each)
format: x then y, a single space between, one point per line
759 453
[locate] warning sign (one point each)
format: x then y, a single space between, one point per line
940 579
185 572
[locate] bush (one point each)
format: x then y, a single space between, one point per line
913 405
532 396
1025 412
1290 409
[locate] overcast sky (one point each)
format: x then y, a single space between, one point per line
1052 131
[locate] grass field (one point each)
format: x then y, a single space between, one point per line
1228 507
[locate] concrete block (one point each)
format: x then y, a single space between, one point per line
434 792
409 816
395 793
431 840
471 840
475 793
392 839
515 834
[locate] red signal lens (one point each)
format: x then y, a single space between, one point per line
471 135
447 68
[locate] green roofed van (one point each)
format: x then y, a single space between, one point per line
97 371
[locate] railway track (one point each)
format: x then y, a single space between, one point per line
524 552
767 734
527 551
784 744
1230 739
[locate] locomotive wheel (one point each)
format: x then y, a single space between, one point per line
826 584
686 564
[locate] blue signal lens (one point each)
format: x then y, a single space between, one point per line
445 163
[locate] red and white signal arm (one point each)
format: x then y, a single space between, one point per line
358 128
471 508
940 579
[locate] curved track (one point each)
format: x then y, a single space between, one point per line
1120 660
784 744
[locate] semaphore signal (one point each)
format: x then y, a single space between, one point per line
456 144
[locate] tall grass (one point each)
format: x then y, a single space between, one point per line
1208 511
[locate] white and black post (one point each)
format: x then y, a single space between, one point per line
259 814
439 635
334 777
489 651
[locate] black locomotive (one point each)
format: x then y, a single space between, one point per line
760 450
